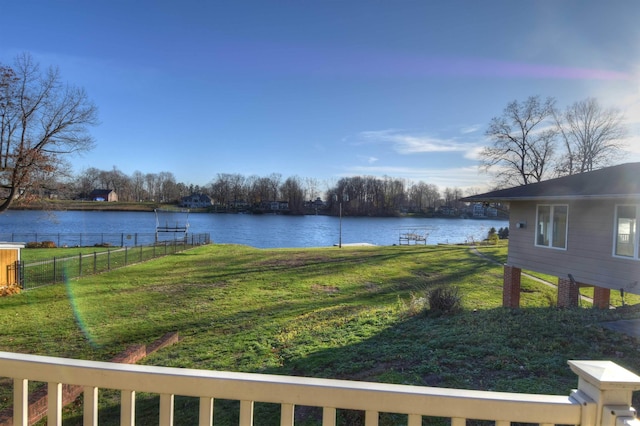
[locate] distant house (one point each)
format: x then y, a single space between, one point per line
279 205
480 210
196 201
581 228
103 195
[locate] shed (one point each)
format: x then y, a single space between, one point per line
103 195
9 262
580 228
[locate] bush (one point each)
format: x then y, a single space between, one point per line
417 305
491 233
444 301
493 239
503 233
9 290
41 244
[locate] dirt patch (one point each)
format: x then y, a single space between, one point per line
372 287
180 288
325 288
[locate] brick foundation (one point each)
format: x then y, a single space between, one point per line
511 287
567 293
601 297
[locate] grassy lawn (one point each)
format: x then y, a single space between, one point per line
350 313
30 255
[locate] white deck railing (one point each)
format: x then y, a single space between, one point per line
603 396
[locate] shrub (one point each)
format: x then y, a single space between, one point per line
417 305
41 244
444 301
503 233
493 239
491 233
9 290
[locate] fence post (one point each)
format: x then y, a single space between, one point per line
80 264
95 262
108 259
55 275
608 388
126 252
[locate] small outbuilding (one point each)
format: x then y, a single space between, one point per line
9 265
103 195
581 228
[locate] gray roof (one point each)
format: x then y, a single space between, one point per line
622 181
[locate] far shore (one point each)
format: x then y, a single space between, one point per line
63 205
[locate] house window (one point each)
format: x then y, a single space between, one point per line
551 224
626 237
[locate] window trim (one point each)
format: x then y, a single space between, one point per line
551 215
636 237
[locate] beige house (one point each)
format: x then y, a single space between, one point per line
581 228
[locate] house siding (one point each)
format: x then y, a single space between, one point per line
588 256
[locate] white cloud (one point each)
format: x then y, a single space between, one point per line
369 160
406 143
471 129
458 177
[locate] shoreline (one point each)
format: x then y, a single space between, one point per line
118 206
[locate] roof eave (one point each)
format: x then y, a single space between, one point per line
553 197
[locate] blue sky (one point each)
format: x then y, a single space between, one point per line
323 89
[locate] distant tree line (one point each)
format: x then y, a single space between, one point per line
359 195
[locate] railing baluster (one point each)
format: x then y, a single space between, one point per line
54 403
90 406
328 416
287 414
206 411
127 408
371 418
246 413
20 402
415 420
166 409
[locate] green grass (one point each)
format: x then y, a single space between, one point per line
338 313
30 255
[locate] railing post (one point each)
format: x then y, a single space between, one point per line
609 387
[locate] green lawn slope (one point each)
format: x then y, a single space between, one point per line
352 313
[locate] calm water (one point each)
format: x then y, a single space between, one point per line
262 231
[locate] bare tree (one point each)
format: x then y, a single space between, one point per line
292 192
522 142
592 136
41 121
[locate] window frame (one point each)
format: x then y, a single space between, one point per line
551 224
636 236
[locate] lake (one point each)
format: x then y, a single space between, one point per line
261 231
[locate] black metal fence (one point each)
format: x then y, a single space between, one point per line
122 239
59 269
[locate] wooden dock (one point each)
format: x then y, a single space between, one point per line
415 236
